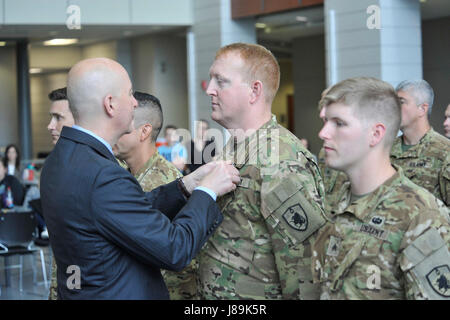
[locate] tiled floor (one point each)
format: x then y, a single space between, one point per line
31 291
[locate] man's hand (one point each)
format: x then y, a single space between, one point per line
222 179
226 176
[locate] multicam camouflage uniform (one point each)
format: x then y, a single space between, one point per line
390 244
262 249
156 172
53 294
427 163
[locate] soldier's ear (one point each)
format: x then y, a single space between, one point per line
378 132
424 109
256 91
146 131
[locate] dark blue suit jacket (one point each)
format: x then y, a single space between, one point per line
100 220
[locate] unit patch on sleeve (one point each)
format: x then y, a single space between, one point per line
439 280
296 217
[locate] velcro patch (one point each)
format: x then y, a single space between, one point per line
375 232
296 217
439 280
334 246
377 221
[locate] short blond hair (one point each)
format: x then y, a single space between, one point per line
261 65
373 100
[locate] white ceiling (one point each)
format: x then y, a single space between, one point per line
88 34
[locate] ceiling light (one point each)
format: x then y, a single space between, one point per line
267 30
260 25
35 70
2 43
60 42
301 19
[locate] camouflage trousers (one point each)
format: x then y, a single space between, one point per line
182 285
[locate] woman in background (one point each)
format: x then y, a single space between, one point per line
12 161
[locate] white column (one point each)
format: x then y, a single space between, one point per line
213 28
377 38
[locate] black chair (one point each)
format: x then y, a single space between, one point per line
17 232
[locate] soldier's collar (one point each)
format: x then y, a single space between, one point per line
415 150
148 164
240 151
364 206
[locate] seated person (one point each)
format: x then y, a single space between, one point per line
8 181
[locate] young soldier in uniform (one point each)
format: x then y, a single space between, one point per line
60 116
332 179
262 250
420 151
138 150
390 237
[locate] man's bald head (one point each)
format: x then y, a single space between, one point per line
90 81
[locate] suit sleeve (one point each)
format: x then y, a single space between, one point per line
126 216
167 198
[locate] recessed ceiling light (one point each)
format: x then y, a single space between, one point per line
267 30
301 19
260 25
60 42
35 70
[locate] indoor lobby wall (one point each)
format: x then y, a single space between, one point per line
309 82
159 67
9 132
436 66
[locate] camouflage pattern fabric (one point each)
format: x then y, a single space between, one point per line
262 249
444 180
426 164
53 294
390 244
156 172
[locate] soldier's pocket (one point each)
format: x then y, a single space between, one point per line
289 212
247 192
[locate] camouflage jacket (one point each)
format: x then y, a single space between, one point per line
156 172
427 163
390 244
262 249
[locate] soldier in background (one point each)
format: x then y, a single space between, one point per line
138 150
262 249
60 116
420 151
389 238
447 121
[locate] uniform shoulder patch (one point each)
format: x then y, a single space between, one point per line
296 217
439 280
